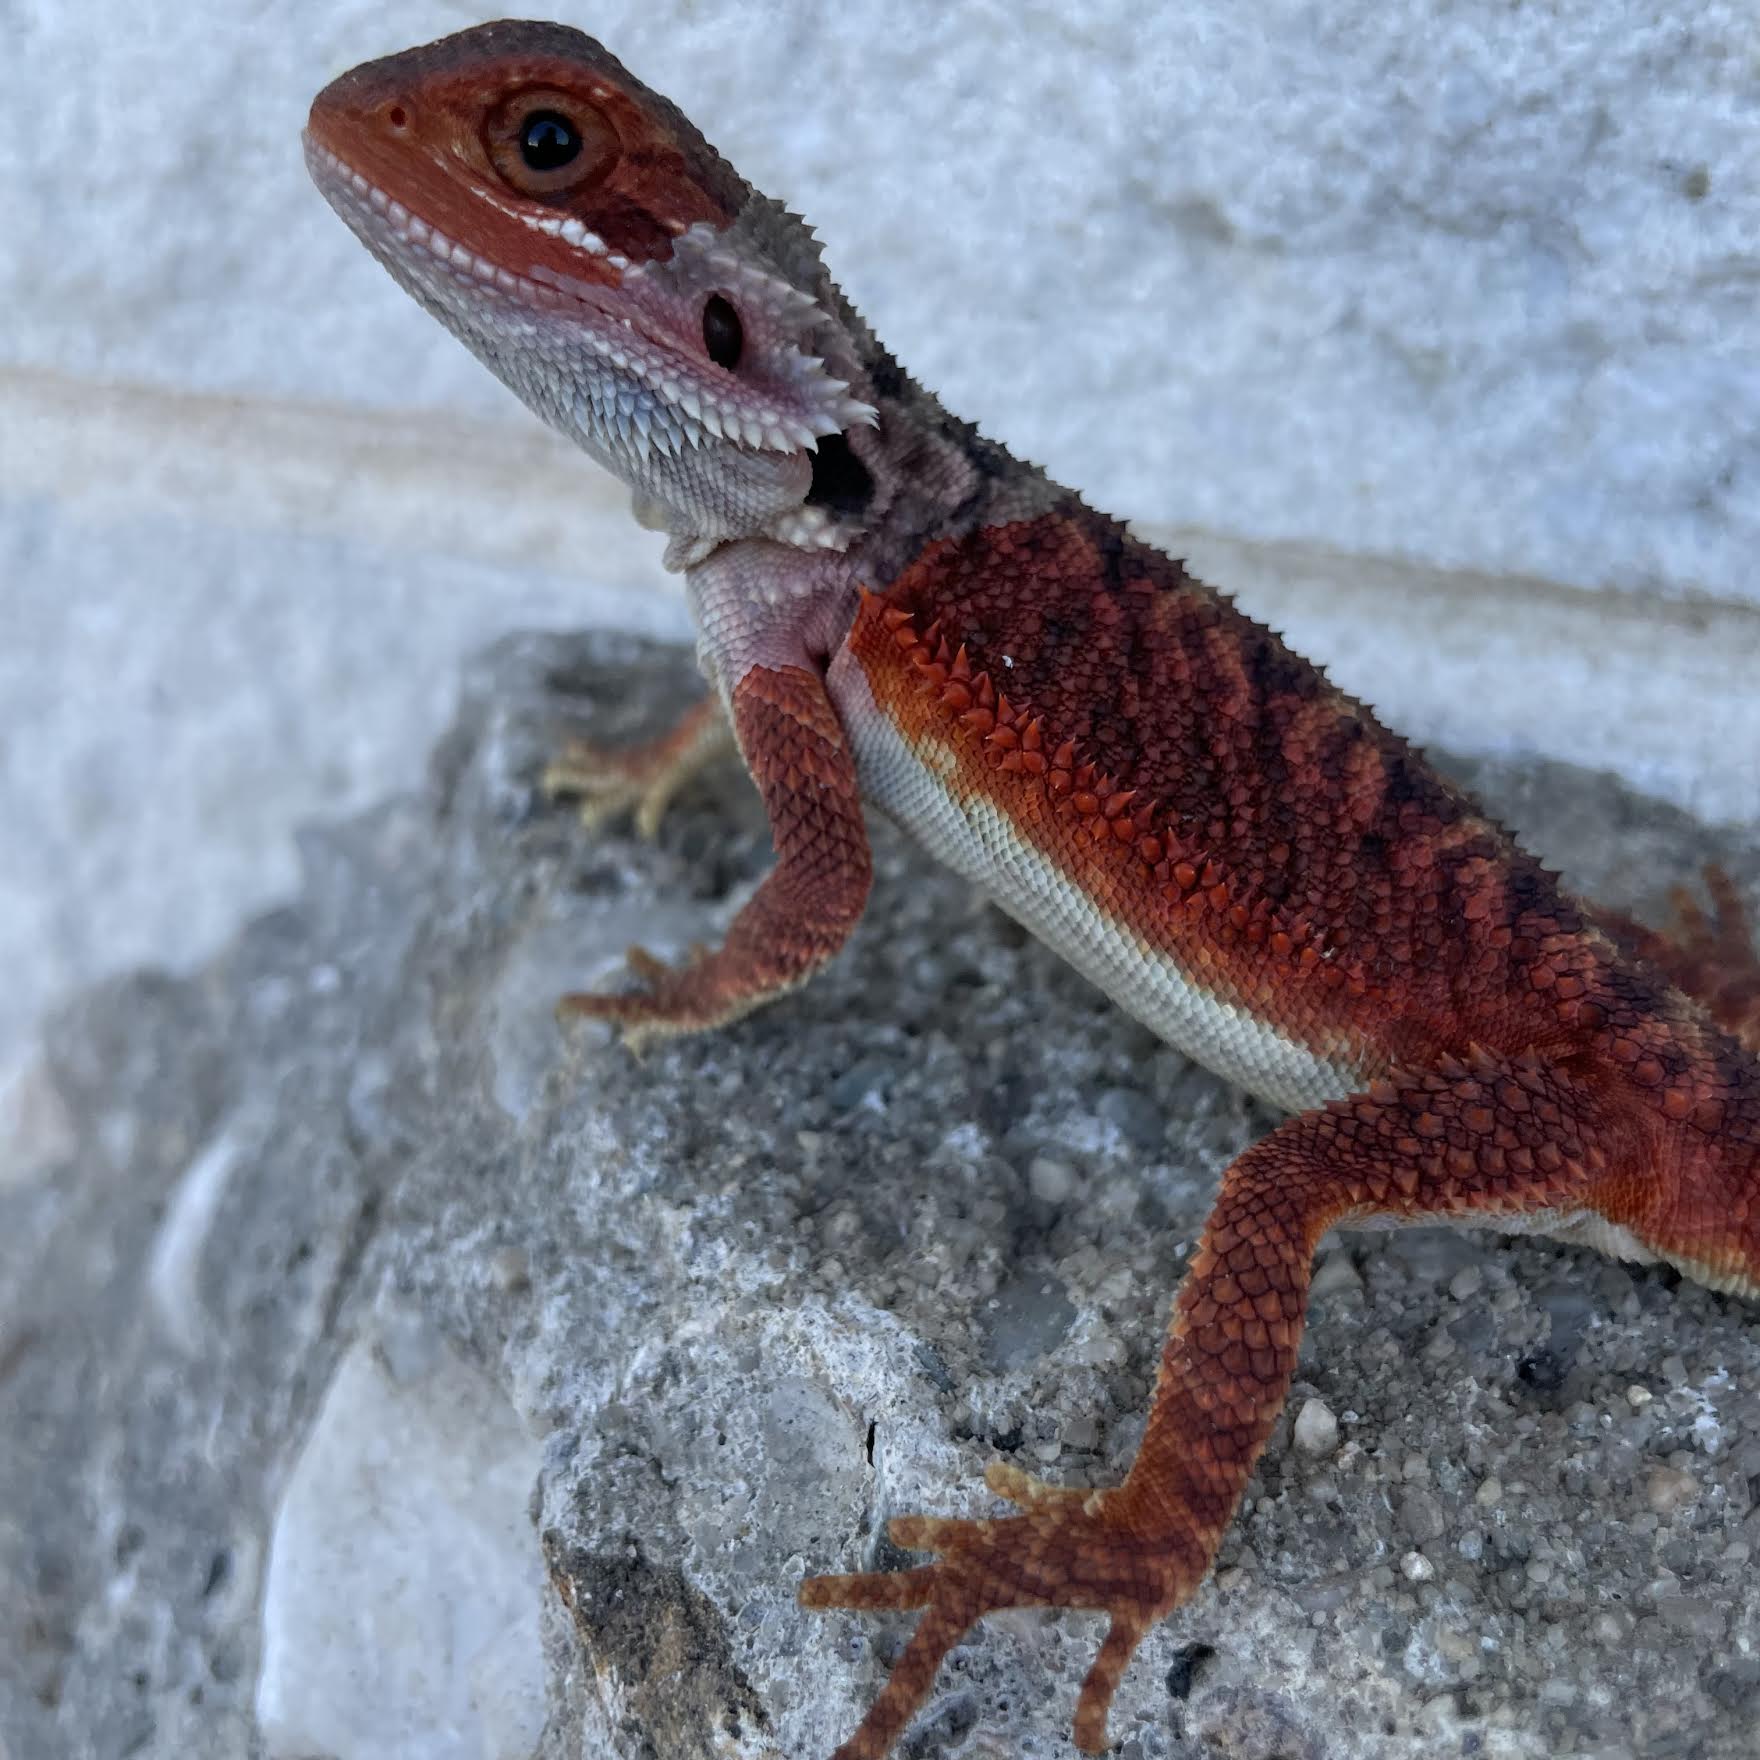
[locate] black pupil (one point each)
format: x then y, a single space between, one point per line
723 334
547 141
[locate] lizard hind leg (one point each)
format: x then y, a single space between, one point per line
1491 1137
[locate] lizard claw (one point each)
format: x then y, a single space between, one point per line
654 971
1030 1493
1069 1548
609 781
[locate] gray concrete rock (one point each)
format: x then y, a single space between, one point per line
371 1350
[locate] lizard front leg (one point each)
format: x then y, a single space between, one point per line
803 912
1496 1137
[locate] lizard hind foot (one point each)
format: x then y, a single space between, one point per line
1067 1549
1722 943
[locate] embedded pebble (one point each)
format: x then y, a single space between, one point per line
1135 1116
1421 1516
1051 1182
1466 1283
1335 1275
1316 1429
1668 1489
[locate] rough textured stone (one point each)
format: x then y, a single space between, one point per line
743 1313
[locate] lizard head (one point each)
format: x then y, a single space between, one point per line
575 231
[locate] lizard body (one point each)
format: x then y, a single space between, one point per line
893 609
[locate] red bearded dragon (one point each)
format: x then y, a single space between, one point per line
895 612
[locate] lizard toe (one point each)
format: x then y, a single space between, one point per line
1069 1549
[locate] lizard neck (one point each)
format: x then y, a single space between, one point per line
881 491
917 474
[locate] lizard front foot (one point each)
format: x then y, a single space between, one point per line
1716 948
805 907
673 999
1708 954
609 781
1068 1548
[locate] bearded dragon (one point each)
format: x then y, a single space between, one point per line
893 610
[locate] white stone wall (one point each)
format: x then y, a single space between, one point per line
1461 287
1466 282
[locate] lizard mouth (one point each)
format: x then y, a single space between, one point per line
393 231
381 220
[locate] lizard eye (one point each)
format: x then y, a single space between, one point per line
723 334
546 143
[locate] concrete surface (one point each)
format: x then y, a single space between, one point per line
402 1595
338 1255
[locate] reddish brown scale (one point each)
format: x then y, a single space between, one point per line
1529 1067
1140 729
